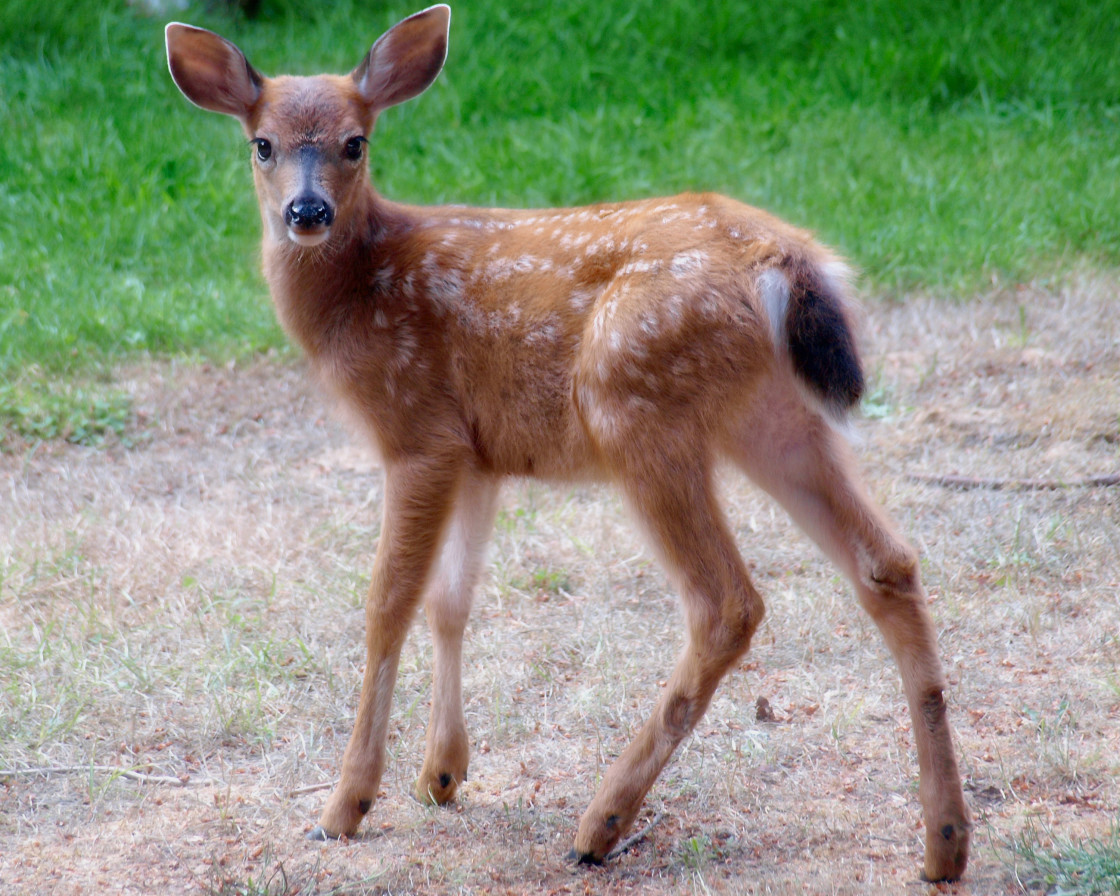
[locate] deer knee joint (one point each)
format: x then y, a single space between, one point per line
678 716
892 572
933 708
896 572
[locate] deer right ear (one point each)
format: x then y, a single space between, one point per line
405 60
211 72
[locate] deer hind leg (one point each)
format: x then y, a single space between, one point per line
447 604
798 458
418 499
722 610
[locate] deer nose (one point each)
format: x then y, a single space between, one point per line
308 213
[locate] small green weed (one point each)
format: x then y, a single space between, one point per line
1058 742
1070 867
79 415
551 581
878 404
696 852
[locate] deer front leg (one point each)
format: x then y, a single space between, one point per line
418 499
722 610
447 605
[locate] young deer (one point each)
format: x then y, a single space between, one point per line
639 342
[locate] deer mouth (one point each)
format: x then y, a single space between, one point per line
308 237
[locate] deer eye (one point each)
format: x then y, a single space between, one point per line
353 149
264 149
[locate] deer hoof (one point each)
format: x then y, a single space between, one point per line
947 852
437 790
319 834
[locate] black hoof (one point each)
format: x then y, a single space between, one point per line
584 858
317 833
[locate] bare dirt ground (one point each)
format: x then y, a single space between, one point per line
181 645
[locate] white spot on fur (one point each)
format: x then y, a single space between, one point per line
470 223
445 287
606 312
574 240
547 333
675 216
383 278
674 309
470 317
497 270
640 266
604 243
579 299
408 284
406 344
709 305
600 421
685 263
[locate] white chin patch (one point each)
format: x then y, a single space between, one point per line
308 239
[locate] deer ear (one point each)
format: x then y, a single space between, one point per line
211 72
405 60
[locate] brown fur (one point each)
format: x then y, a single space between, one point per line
638 342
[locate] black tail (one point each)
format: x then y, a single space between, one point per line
820 340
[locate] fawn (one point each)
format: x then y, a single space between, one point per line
638 342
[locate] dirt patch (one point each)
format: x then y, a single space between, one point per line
189 610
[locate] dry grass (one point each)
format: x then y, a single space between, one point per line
190 608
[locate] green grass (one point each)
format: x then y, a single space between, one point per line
939 145
1070 867
38 411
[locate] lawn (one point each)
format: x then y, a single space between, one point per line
942 147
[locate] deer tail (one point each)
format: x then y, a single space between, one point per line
808 306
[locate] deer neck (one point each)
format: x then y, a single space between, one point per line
322 291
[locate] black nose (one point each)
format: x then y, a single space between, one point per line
307 212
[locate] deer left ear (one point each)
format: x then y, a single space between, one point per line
405 60
210 71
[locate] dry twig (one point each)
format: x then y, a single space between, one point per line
129 773
968 483
311 788
636 837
